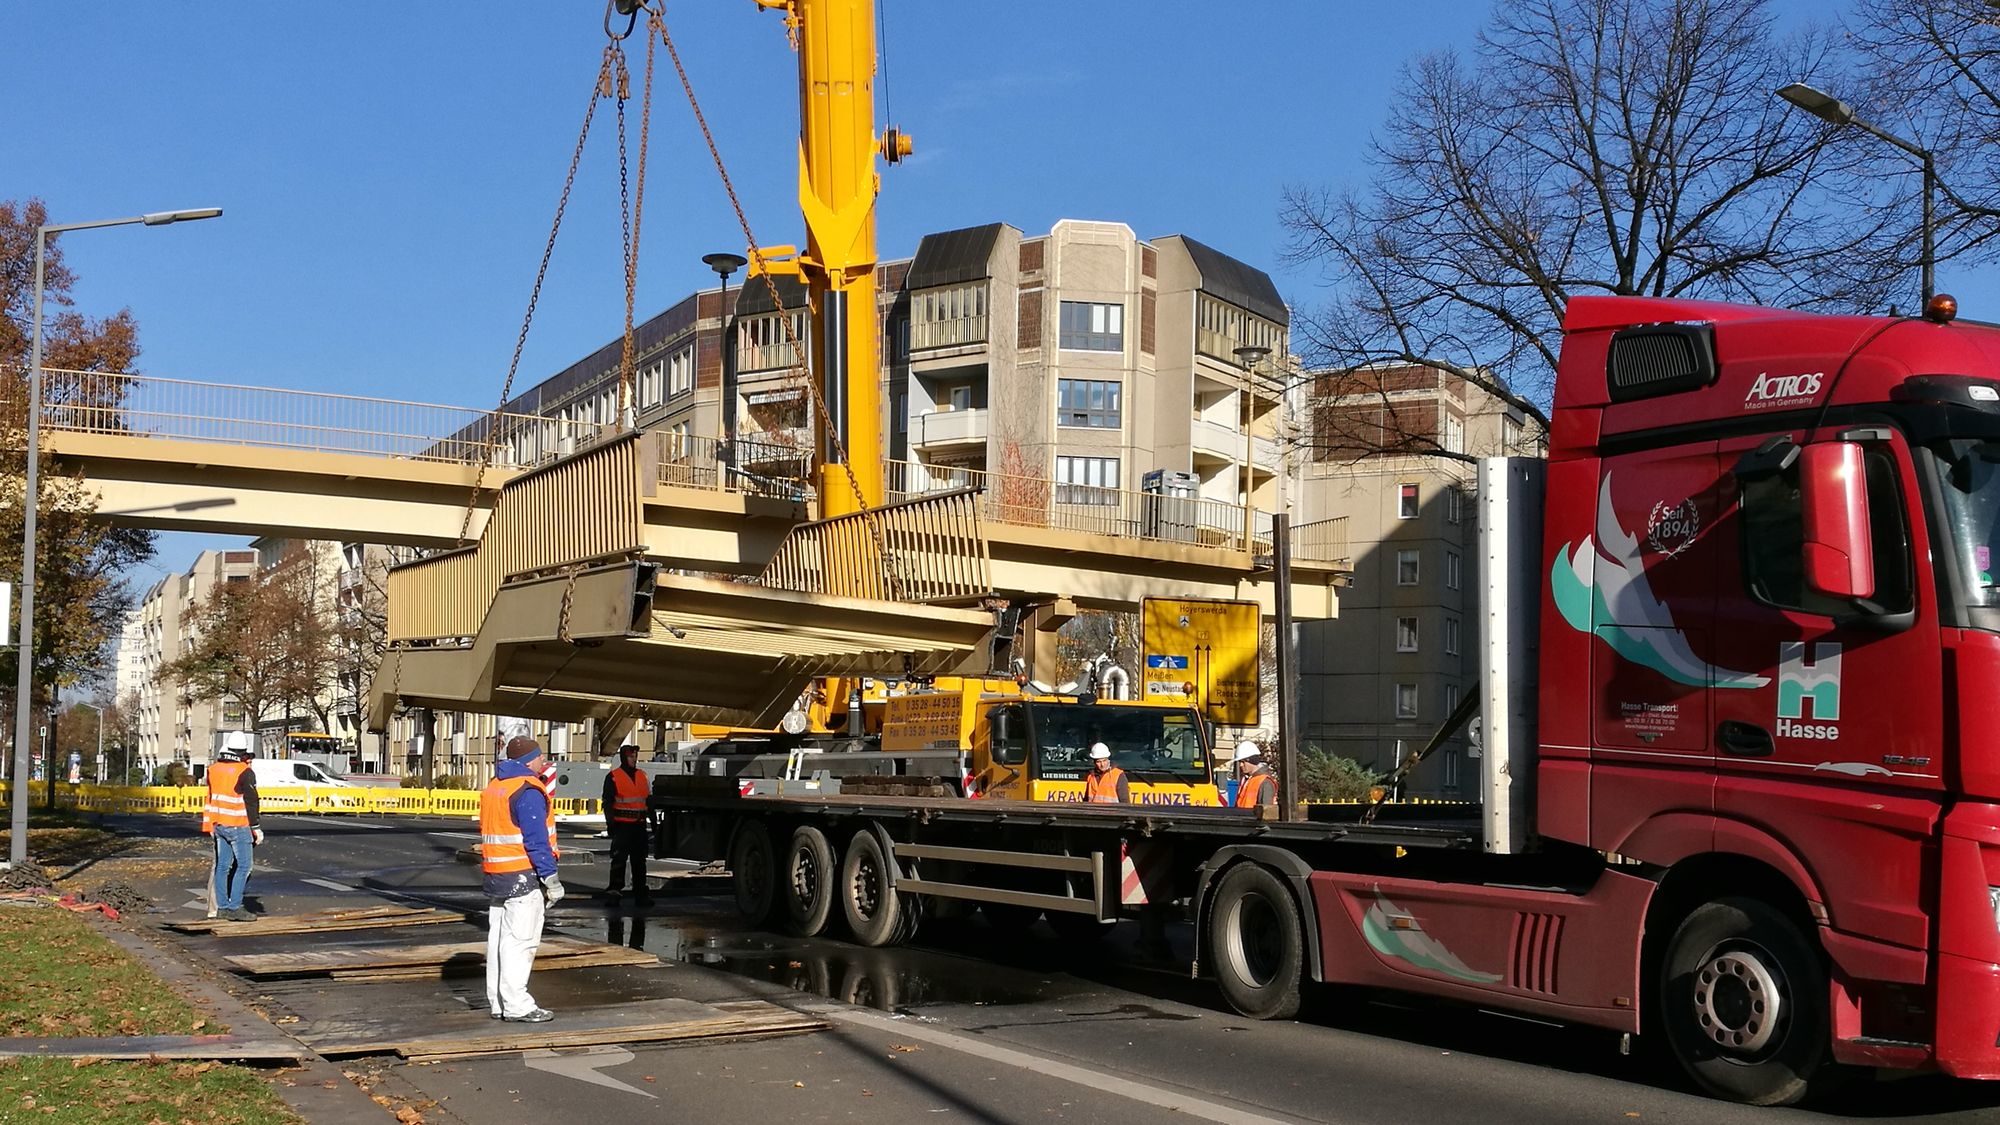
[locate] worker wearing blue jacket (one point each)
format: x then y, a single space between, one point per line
517 847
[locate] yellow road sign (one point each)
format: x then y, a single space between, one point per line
1205 653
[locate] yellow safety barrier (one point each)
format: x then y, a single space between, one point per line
390 801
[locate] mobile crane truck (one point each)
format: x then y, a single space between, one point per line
1740 695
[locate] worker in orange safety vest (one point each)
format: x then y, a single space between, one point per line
230 814
1105 784
1256 782
517 849
625 793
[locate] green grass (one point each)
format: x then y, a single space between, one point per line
64 979
113 1093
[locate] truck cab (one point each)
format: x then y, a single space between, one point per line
1039 750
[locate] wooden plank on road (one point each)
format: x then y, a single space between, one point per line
458 1034
227 1048
322 922
314 961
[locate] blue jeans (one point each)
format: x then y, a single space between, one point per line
231 873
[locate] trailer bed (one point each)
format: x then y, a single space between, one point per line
1415 826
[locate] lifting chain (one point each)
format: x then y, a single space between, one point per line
492 436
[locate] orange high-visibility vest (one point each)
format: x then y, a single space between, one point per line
1250 793
225 805
501 850
629 791
1102 788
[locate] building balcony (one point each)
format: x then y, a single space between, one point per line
949 429
770 450
1215 441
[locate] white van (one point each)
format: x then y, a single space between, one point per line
283 773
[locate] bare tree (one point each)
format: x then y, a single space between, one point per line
1933 76
1586 147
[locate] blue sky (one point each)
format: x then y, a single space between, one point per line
388 170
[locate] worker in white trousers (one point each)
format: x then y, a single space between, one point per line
517 847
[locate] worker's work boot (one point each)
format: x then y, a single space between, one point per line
539 1015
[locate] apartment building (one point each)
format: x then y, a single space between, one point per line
128 669
1061 370
173 726
1382 447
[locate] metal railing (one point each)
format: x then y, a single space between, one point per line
1036 502
269 417
926 550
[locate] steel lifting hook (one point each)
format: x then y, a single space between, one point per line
627 8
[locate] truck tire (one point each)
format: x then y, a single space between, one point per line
1257 942
807 879
1743 999
867 890
754 871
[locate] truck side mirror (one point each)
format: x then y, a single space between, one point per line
1833 487
1010 742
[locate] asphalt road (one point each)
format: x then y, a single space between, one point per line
968 1027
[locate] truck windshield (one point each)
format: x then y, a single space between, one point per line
1970 471
1141 739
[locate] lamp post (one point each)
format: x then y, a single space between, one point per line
725 263
1833 111
31 501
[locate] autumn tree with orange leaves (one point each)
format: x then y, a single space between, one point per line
80 598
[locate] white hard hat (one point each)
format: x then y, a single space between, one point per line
1246 749
236 742
1099 751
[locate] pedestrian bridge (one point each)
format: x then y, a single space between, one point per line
637 568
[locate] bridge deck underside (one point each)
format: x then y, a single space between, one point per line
697 649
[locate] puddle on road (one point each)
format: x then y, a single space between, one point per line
885 979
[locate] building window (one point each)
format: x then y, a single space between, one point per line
1453 568
1406 567
1087 480
1451 636
1454 504
1450 698
1089 326
1220 328
1089 402
1451 767
1406 501
1453 438
1510 436
948 317
1406 634
1406 701
680 372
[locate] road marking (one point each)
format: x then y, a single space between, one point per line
343 820
199 901
1167 1099
582 1064
456 835
329 884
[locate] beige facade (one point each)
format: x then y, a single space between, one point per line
173 727
1378 680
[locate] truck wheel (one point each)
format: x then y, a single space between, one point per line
754 871
1257 942
808 876
868 892
1743 1000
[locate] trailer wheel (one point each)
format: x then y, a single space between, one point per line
1258 943
753 868
807 879
1744 1002
868 892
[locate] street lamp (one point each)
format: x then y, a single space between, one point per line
31 501
725 263
1833 111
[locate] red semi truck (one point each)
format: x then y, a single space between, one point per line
1741 720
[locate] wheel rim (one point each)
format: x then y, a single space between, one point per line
1741 1002
1255 946
755 873
864 893
806 878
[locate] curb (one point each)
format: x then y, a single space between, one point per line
319 1090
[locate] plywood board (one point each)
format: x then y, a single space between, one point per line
363 918
313 961
545 962
476 1032
228 1048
